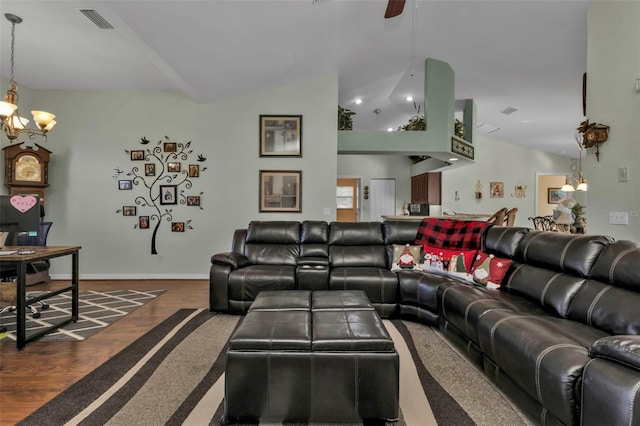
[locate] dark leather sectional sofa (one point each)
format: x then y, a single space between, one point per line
561 337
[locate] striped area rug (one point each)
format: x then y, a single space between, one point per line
97 309
174 375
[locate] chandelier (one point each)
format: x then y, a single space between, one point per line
12 123
581 181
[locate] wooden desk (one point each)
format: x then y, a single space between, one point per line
21 261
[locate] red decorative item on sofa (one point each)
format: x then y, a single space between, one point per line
451 234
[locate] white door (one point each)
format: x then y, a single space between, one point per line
382 199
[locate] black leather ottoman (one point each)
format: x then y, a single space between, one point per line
321 356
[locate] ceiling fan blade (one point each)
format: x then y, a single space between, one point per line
394 8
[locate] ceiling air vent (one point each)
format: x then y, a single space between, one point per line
508 110
97 19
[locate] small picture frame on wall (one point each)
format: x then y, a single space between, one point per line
194 170
497 189
137 155
173 167
280 191
193 200
177 226
555 195
125 185
129 210
170 147
168 194
149 169
143 222
280 135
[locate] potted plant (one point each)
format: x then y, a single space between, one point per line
345 118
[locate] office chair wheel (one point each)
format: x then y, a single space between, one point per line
44 306
36 315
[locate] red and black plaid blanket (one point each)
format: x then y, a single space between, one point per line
451 233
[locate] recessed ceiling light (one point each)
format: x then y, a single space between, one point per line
453 159
358 101
409 98
389 129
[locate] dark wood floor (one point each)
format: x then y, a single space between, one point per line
33 376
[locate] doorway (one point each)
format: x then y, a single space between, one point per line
347 199
383 198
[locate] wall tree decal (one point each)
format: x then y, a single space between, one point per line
166 182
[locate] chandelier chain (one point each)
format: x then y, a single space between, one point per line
13 50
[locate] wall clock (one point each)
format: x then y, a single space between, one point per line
26 169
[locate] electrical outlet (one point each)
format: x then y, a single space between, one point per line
623 174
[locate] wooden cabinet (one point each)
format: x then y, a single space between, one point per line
426 188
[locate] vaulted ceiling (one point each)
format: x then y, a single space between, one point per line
527 55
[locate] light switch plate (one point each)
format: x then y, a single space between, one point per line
623 174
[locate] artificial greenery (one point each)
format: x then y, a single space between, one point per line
345 118
579 221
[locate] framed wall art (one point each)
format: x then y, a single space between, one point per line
496 189
137 155
143 222
168 194
193 200
555 195
149 169
280 191
194 170
129 210
280 135
170 147
173 167
125 185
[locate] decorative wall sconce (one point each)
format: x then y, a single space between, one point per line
478 191
366 192
520 190
593 135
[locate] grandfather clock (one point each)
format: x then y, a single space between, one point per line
26 169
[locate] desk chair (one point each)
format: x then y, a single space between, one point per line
37 272
510 217
498 217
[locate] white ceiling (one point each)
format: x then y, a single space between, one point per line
529 55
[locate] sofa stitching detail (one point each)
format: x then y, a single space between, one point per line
615 261
584 374
444 295
595 302
513 275
493 332
545 353
526 247
631 402
543 416
466 312
564 252
546 288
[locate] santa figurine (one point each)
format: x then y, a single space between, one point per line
406 260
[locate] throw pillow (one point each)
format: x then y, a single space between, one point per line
489 270
416 252
448 260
